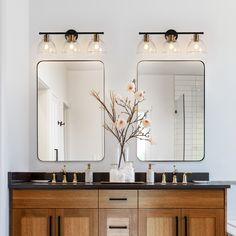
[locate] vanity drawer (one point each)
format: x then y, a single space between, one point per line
118 199
193 198
55 199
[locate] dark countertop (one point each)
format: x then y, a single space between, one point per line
98 185
22 180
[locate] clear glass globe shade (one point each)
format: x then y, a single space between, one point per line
146 47
96 47
46 47
171 47
196 47
71 47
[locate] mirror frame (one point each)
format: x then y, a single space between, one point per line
204 108
104 91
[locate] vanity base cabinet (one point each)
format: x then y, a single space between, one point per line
119 212
182 212
33 222
181 222
58 222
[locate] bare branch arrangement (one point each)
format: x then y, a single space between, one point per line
127 123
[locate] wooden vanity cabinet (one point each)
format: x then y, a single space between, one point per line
162 212
55 213
182 213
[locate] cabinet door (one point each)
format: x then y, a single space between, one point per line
118 222
33 222
203 222
159 222
77 222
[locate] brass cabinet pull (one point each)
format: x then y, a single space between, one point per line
59 225
118 227
118 199
177 225
186 225
50 225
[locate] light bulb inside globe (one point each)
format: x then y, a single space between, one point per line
46 46
146 46
71 45
96 45
196 45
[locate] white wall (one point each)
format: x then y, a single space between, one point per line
121 21
54 75
159 94
15 96
85 135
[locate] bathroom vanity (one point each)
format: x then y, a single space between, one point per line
106 209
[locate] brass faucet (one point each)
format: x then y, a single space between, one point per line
75 180
185 178
64 175
174 181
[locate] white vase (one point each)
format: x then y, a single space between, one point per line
129 172
117 174
122 156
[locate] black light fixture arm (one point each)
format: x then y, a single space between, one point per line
164 33
63 33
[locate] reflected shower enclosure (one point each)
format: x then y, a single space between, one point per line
176 101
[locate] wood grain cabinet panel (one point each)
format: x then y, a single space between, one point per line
33 222
117 199
118 222
194 198
77 222
159 222
203 222
55 198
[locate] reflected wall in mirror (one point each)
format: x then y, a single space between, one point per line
69 127
176 101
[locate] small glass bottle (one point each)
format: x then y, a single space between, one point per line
88 174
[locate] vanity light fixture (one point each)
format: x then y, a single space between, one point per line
71 45
46 46
171 45
146 45
96 45
196 45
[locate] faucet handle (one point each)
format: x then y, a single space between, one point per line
75 179
163 180
185 178
54 180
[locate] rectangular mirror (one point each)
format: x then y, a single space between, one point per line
69 127
175 97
